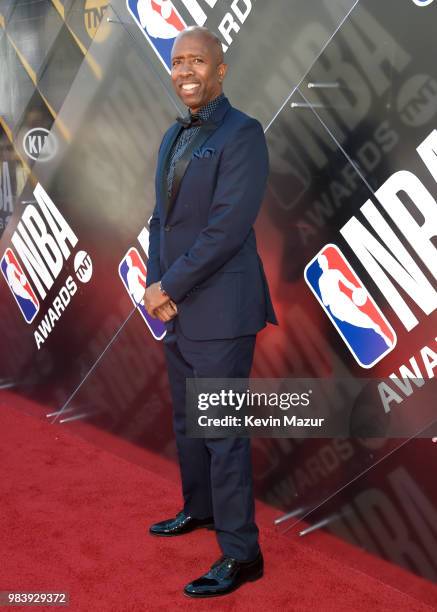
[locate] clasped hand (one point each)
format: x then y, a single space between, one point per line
158 305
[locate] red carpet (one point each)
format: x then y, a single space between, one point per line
74 519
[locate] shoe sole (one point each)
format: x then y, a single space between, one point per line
209 527
257 576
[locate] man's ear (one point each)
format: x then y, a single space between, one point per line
222 70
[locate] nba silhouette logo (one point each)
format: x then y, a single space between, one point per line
352 310
160 23
20 287
133 273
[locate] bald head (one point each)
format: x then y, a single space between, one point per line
197 66
210 39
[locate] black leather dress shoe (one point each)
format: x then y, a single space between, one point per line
226 575
179 525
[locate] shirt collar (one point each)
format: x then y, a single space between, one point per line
207 110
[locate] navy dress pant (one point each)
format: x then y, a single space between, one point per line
216 473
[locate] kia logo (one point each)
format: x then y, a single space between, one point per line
39 144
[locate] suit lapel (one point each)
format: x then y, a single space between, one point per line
163 163
181 165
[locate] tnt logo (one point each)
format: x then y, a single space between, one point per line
19 286
422 2
160 23
350 307
133 273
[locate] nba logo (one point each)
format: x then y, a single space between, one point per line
160 23
133 273
352 310
19 285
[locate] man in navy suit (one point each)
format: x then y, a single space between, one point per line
206 281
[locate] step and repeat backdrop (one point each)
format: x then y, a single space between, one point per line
347 93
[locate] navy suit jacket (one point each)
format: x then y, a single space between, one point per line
202 242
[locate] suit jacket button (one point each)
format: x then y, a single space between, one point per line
167 228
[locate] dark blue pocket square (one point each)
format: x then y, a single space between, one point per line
203 153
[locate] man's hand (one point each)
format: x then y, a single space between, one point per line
159 305
154 298
167 312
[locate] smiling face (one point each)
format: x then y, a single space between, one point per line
197 69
